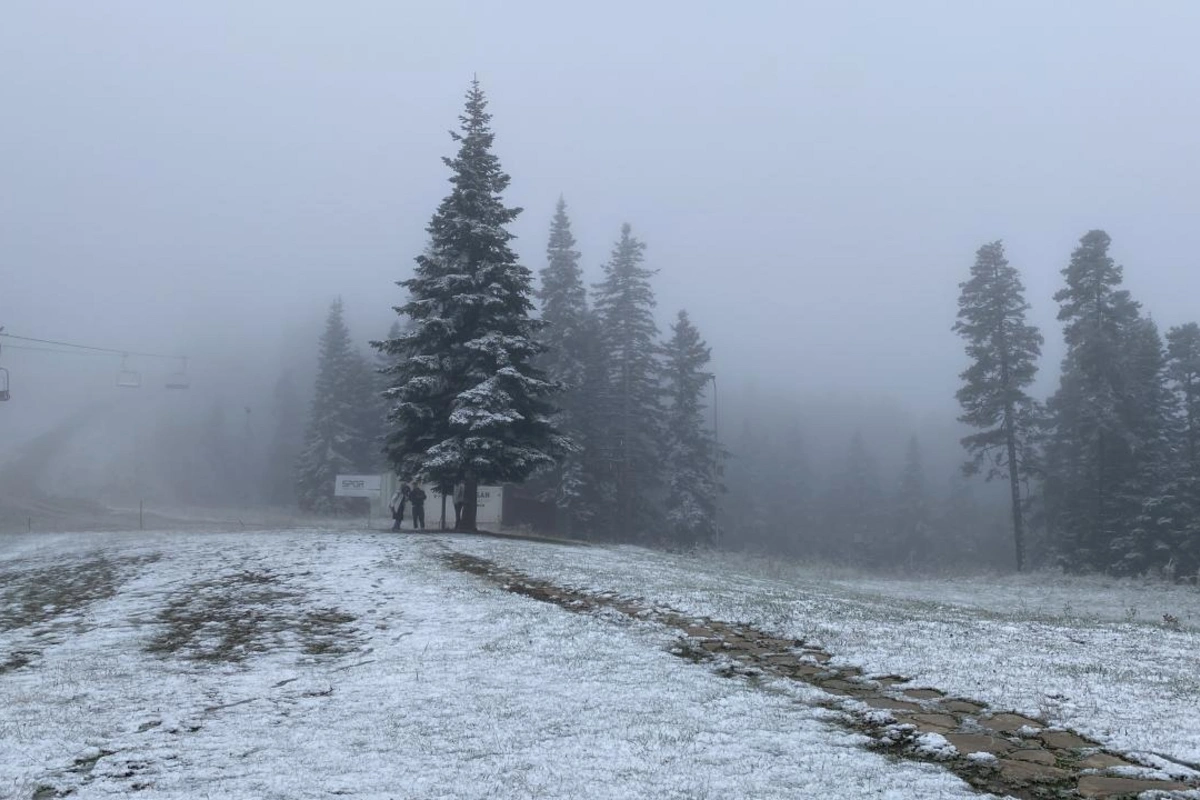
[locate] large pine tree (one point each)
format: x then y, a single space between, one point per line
1090 441
691 461
632 419
1004 350
336 441
570 340
467 404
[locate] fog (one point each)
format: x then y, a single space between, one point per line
812 180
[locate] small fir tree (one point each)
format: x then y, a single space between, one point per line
569 339
632 418
1183 372
691 454
336 441
1148 536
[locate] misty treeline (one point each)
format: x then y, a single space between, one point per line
1106 470
573 392
569 390
1104 475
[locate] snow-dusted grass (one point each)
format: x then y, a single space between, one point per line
1067 649
445 687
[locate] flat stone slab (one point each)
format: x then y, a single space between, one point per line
889 680
1034 756
924 694
843 686
1007 723
976 743
888 704
1064 740
1100 786
1102 761
1026 772
962 706
942 722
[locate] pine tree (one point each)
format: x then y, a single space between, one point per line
1088 462
691 454
1003 349
569 338
335 442
1183 372
1148 536
911 528
632 420
467 404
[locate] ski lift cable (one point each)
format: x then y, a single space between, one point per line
27 348
111 350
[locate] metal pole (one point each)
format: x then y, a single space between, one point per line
716 433
141 525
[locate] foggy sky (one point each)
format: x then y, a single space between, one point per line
812 179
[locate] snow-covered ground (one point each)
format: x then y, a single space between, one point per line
446 687
316 663
1091 654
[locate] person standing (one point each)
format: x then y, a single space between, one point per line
460 498
397 503
416 496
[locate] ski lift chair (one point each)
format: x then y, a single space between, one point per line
4 395
179 380
128 378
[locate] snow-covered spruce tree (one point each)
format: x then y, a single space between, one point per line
1148 537
1183 372
336 441
692 461
632 417
1004 350
569 338
911 518
466 402
1088 447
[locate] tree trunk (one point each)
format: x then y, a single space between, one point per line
1014 483
470 504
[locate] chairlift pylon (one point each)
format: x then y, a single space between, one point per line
179 380
128 378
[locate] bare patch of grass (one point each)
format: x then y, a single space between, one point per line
236 616
36 596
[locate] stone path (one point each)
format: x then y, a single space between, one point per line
994 751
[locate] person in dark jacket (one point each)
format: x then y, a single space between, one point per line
416 496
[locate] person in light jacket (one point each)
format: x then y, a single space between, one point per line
397 503
460 499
